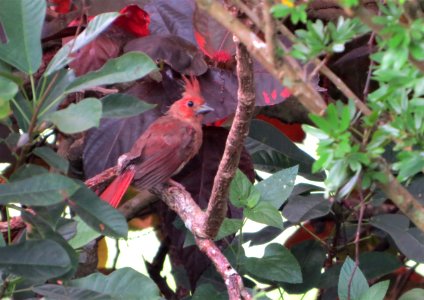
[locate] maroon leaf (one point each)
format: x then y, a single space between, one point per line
94 55
172 17
214 40
180 55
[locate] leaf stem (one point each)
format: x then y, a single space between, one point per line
34 93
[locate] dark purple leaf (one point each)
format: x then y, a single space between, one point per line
172 17
214 40
5 152
262 236
302 208
410 241
114 137
269 91
181 55
94 55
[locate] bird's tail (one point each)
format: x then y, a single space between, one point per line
115 191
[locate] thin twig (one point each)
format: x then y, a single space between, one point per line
217 206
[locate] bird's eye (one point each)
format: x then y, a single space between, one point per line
190 103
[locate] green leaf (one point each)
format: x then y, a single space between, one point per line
409 241
98 214
4 110
40 229
53 291
359 284
265 213
208 292
35 259
54 97
122 106
278 187
85 234
377 291
128 67
228 227
22 111
414 294
123 284
2 241
277 264
77 117
52 158
41 190
66 54
240 188
8 89
311 256
22 22
27 171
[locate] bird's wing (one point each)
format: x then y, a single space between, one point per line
168 145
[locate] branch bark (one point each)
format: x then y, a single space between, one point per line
180 201
217 206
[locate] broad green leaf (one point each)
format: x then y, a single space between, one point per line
302 208
8 89
22 111
53 291
122 106
414 294
123 284
265 213
22 22
66 54
41 190
240 188
209 292
52 158
272 151
409 241
377 291
4 109
128 67
311 256
277 264
77 117
228 227
27 171
277 188
359 284
85 234
38 259
98 214
2 241
40 229
60 80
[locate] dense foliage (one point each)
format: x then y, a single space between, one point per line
81 80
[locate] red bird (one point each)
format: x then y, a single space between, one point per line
164 148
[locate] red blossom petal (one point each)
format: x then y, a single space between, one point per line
61 6
134 20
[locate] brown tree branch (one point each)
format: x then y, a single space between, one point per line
217 206
180 201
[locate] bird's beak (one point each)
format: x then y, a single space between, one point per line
204 109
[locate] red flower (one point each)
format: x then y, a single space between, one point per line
134 20
61 6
